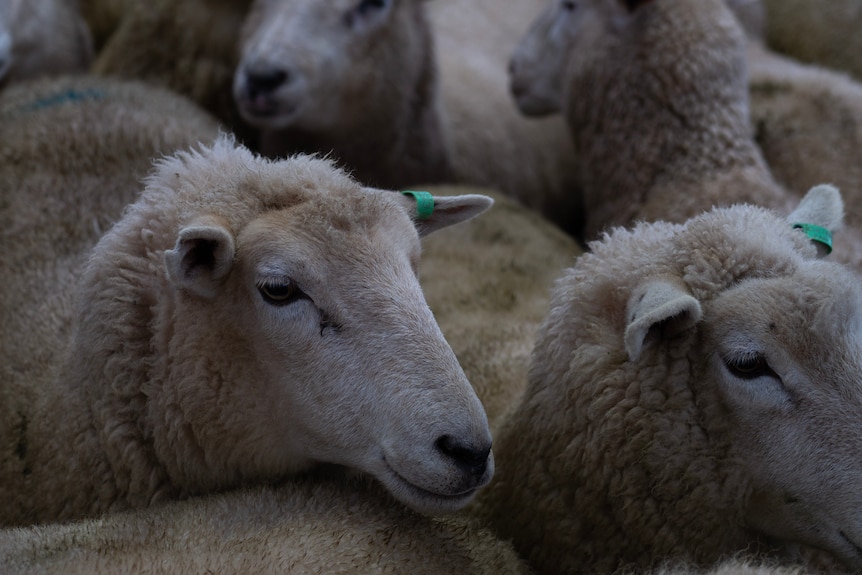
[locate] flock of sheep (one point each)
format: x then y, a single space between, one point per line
634 348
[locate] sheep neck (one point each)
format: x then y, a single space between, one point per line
650 111
397 142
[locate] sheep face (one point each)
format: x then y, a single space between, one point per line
786 361
536 67
324 66
42 37
298 334
566 30
694 393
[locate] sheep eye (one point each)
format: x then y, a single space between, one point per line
367 6
280 292
750 367
569 5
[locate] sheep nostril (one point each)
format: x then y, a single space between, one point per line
265 81
469 459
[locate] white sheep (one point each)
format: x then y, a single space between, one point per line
354 78
243 321
656 97
332 525
42 38
824 33
693 394
658 104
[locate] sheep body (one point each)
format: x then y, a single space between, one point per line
94 423
42 38
310 525
823 33
685 122
688 386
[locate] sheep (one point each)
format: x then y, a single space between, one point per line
93 136
824 33
325 76
483 137
309 525
656 98
488 285
219 339
41 38
646 124
693 394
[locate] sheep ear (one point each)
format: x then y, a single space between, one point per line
202 257
431 213
820 213
657 309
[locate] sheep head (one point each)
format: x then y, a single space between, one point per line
284 326
325 66
694 393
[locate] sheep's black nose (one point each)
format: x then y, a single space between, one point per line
468 458
265 80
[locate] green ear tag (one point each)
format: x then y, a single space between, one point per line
818 234
424 203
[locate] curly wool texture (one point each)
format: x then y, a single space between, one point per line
824 33
332 525
657 104
610 462
807 122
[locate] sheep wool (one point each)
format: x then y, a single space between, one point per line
693 394
333 525
214 337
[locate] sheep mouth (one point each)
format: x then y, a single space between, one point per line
424 500
263 111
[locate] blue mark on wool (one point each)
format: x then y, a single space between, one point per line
69 96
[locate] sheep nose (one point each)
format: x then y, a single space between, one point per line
469 459
265 80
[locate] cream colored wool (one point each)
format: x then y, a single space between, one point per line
693 395
184 370
659 113
189 47
72 154
807 121
42 38
817 32
659 107
489 285
315 525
